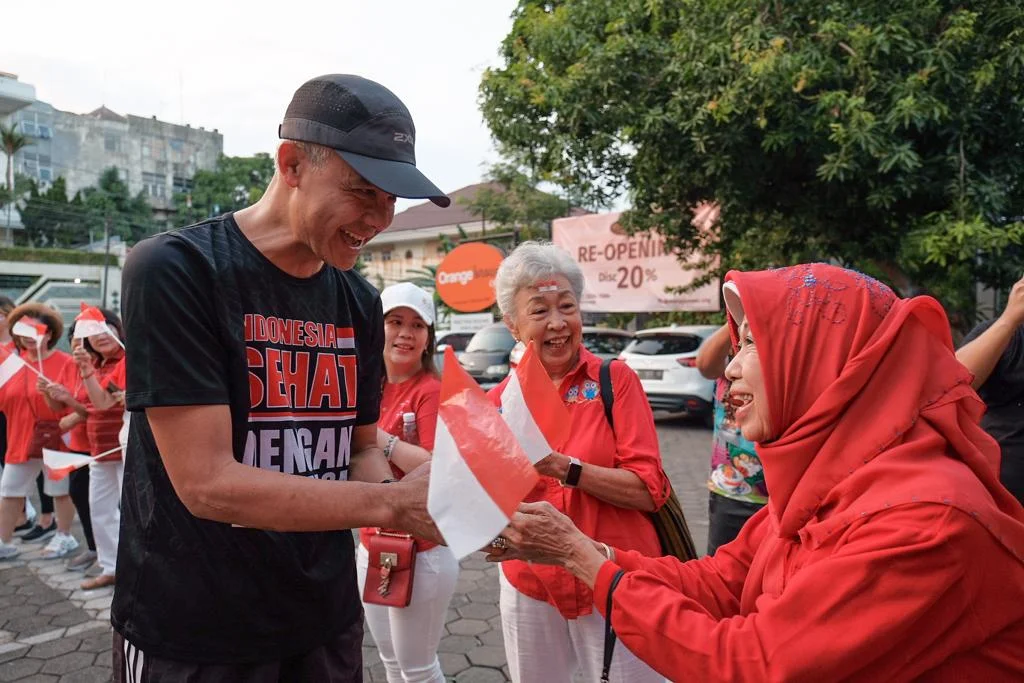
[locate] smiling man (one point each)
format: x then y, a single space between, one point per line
255 379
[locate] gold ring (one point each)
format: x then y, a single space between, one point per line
500 542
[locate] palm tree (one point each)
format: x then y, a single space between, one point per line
12 141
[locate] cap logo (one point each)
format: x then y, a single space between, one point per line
404 137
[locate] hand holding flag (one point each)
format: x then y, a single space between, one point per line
59 464
479 473
533 409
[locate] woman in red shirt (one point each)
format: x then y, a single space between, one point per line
888 550
31 426
97 358
407 637
607 481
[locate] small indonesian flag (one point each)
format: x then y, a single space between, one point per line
479 473
90 322
59 465
533 409
30 328
346 337
10 365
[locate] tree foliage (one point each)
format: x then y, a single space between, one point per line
236 183
884 135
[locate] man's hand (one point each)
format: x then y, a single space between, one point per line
410 502
1014 311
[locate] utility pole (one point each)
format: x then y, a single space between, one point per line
106 259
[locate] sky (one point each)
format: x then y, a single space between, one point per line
234 66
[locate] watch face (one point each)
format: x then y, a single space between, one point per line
572 477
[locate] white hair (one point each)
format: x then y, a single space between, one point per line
530 262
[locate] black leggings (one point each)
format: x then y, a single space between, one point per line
79 485
45 501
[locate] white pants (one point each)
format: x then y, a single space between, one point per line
407 637
542 646
104 500
18 480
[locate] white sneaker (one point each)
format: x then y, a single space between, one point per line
8 551
61 545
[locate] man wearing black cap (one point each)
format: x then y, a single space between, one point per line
256 357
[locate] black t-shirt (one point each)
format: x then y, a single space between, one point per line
1003 393
299 362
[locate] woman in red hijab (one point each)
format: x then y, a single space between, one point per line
888 550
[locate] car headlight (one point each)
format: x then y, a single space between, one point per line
497 369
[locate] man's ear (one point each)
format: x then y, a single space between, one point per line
290 162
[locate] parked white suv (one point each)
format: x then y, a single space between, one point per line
665 359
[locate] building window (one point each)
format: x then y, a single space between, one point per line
182 185
385 255
147 149
408 254
112 143
368 256
46 175
28 128
44 132
154 185
177 145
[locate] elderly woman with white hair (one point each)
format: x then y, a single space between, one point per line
607 480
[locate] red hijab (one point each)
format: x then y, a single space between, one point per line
855 375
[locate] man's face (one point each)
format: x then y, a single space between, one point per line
335 212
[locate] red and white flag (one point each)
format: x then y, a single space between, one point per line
30 328
10 365
479 473
90 322
59 464
533 409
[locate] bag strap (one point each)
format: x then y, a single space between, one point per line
609 634
607 391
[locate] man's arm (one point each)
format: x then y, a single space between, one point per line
195 446
713 353
981 355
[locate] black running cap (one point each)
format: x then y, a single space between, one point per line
368 126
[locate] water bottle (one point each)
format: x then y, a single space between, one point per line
409 433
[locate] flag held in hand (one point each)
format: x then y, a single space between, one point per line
59 465
30 328
533 409
90 322
479 473
10 365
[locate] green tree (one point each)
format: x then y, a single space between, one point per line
51 220
12 141
513 202
110 205
883 135
236 183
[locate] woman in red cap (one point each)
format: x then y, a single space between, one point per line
888 550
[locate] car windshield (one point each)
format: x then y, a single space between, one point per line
493 340
664 344
605 343
457 341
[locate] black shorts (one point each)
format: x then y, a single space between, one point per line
339 661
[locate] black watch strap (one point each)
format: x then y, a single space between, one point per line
572 476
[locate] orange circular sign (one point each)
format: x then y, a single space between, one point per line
465 278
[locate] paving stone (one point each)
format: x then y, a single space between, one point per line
11 651
48 598
467 627
457 644
97 643
19 668
29 626
20 611
54 648
102 602
57 608
475 561
89 627
451 616
479 674
495 621
492 637
478 610
71 619
44 637
40 678
485 594
5 589
92 674
465 585
472 575
6 636
72 661
452 663
487 655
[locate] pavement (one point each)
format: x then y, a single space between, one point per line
50 630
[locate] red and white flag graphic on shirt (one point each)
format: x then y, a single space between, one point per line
533 409
479 473
10 365
30 328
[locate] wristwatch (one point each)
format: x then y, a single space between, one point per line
572 475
